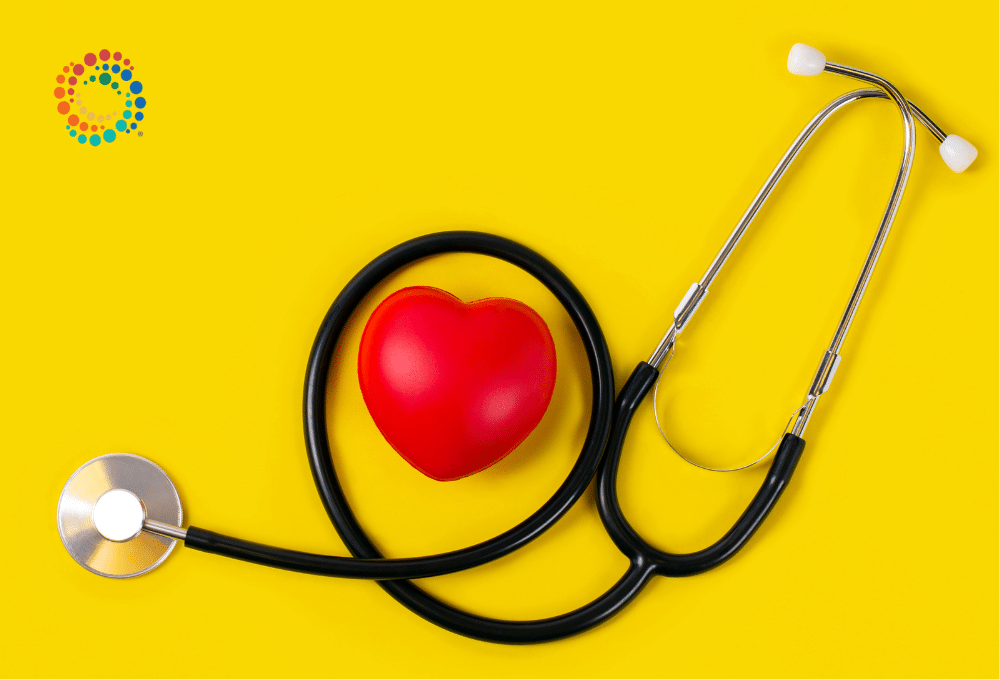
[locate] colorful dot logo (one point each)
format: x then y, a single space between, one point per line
99 122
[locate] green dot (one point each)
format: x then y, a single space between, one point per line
114 85
105 78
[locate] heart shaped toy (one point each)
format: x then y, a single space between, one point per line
455 387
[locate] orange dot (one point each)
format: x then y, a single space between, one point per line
60 79
59 93
83 126
65 70
73 120
63 108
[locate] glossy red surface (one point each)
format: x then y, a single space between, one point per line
455 387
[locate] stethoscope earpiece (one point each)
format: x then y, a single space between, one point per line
957 153
805 61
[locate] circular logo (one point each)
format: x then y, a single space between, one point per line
101 98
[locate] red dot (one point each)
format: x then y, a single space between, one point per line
125 62
59 93
90 59
78 69
73 120
65 69
60 78
71 100
63 108
118 56
105 55
70 91
131 68
72 80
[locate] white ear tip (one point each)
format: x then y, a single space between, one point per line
805 61
957 153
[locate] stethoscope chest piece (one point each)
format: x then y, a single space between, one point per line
105 505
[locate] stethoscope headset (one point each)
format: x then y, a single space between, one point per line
119 515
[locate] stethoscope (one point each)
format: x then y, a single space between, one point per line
119 515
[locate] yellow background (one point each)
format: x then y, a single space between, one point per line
160 296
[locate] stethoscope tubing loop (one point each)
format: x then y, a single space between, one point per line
314 403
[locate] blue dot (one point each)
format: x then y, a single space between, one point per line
82 139
133 126
128 131
116 68
128 102
136 87
105 78
126 114
139 116
105 67
126 74
72 133
140 102
109 136
95 140
121 125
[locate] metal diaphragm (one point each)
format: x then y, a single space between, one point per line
75 515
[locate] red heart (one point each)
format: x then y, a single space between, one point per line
455 387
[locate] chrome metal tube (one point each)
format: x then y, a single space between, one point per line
931 126
831 358
902 175
686 310
161 529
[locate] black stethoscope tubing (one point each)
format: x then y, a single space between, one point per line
608 426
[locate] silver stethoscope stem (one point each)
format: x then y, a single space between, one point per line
161 529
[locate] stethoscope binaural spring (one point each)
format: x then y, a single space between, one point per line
119 515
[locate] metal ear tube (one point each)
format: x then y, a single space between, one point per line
807 61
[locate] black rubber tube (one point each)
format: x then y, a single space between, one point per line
609 423
669 564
